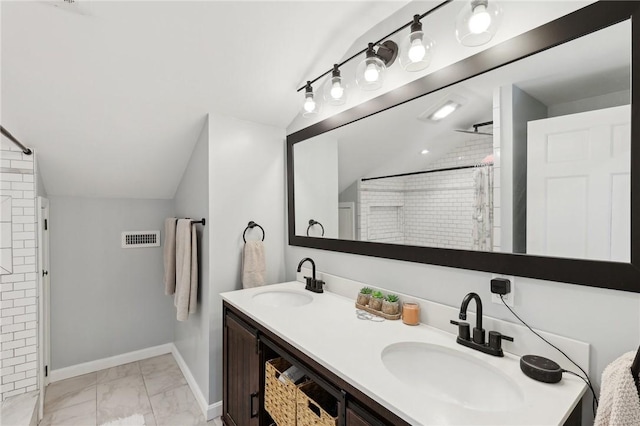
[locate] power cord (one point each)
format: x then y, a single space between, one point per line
586 379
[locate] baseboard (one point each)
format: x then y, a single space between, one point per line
209 411
114 361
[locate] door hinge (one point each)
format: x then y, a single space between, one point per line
46 371
46 224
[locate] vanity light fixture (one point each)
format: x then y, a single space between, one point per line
477 22
370 72
335 90
310 106
416 48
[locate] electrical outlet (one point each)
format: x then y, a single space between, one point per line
509 297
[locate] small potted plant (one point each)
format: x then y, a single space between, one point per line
376 300
391 305
364 296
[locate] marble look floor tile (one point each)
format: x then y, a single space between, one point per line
161 373
162 382
83 414
158 364
177 407
122 398
66 393
118 372
215 422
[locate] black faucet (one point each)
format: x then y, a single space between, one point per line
494 346
312 284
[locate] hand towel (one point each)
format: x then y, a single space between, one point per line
170 255
186 269
253 264
619 400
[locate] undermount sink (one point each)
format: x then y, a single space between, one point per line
282 299
452 376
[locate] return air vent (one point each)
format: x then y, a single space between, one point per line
135 239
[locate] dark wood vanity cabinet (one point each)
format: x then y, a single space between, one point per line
246 348
241 379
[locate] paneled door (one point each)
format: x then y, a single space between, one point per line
578 185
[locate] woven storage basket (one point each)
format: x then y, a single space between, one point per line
279 397
316 406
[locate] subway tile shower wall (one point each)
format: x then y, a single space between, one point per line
433 209
18 281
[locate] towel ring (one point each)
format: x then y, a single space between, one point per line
252 225
314 222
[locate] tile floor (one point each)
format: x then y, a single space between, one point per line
154 388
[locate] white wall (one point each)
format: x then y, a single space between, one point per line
316 186
191 337
246 182
105 300
608 320
18 305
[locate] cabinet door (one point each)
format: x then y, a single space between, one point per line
357 416
241 376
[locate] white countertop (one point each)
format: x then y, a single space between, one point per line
328 331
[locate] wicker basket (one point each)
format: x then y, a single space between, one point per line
316 406
279 397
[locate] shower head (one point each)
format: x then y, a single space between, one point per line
475 129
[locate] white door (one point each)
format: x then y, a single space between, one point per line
44 353
578 185
346 221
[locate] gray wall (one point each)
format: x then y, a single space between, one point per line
246 182
105 300
191 337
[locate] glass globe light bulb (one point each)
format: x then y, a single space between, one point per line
480 20
417 50
371 73
309 104
336 89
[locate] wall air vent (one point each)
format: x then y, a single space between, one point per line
135 239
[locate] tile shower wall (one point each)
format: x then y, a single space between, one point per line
432 209
18 280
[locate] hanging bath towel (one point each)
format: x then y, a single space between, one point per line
254 266
170 255
619 400
186 269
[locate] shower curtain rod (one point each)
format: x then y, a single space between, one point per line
474 166
16 141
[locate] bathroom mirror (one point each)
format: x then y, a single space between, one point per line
530 175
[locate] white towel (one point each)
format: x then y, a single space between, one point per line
253 264
186 269
619 401
170 255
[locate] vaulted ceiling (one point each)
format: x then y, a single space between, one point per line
112 95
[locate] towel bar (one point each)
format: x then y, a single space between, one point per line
252 225
201 221
312 223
